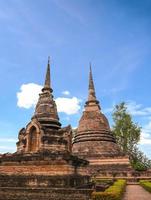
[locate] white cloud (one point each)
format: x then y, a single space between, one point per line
66 92
69 106
137 109
28 95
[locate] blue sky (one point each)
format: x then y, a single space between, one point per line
114 35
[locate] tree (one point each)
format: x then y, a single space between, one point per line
139 161
127 135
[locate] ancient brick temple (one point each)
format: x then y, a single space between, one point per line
51 163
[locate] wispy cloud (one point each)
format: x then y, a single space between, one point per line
146 134
8 140
22 22
128 58
66 92
133 108
7 148
7 144
138 109
112 91
70 9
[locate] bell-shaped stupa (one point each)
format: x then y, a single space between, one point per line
93 136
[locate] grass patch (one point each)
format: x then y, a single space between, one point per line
146 185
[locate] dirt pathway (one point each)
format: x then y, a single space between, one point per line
136 192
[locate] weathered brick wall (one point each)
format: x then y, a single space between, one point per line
40 169
42 181
44 194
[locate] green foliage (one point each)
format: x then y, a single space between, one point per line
114 192
146 185
127 133
139 161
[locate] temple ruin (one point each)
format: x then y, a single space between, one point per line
52 164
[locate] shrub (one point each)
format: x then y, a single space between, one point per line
146 185
114 192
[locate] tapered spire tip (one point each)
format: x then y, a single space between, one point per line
48 59
91 84
47 85
90 67
91 95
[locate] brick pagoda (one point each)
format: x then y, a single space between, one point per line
94 140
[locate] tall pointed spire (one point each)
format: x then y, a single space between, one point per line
92 101
47 85
91 84
46 109
91 96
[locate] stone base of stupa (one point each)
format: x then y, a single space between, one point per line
43 176
18 193
115 167
109 166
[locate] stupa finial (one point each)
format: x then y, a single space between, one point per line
47 85
91 96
